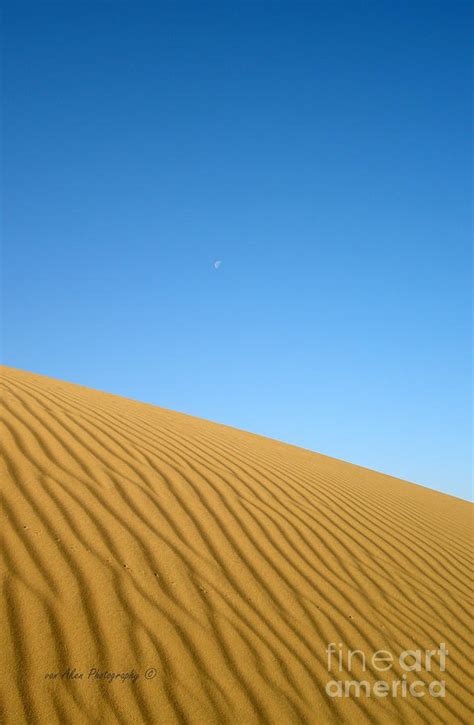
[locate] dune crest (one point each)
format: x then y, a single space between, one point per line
159 568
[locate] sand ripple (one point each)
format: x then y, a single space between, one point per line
216 566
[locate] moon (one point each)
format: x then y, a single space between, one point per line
217 264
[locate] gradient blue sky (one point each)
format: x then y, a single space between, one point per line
319 149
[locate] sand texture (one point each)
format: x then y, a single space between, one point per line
217 566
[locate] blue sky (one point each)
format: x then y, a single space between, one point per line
319 149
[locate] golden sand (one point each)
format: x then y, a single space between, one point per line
158 568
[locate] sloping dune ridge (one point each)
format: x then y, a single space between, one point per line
210 569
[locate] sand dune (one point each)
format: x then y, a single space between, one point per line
216 566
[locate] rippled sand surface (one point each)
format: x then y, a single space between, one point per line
207 570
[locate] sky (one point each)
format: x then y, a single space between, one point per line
319 150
